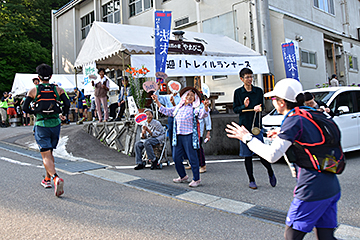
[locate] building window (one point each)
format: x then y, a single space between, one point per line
325 5
137 6
308 58
111 12
353 63
181 22
86 23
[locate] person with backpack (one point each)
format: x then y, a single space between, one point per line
49 114
312 142
78 99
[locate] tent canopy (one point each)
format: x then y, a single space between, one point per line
23 82
106 42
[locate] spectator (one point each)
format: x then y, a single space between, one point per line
185 133
318 105
170 100
334 81
93 107
26 116
78 99
36 81
3 110
246 98
102 86
124 93
152 133
11 112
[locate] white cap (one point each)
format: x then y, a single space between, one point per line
287 89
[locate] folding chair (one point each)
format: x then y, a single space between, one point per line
160 151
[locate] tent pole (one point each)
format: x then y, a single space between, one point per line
125 92
75 77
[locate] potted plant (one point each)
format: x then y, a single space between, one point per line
137 78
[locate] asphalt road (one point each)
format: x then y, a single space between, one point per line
96 208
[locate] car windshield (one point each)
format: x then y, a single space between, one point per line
323 96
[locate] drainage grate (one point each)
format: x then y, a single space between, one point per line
78 166
267 214
157 187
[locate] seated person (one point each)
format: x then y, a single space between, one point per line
152 133
318 105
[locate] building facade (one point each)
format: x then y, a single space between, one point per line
326 33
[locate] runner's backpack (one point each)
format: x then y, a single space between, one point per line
46 100
323 156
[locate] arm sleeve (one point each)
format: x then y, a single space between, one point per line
66 104
208 122
26 106
270 153
167 111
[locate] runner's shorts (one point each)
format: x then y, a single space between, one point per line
304 216
79 104
47 137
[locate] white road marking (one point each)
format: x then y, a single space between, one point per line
19 163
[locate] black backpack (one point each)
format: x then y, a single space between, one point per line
324 156
46 101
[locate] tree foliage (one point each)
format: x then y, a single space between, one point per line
25 37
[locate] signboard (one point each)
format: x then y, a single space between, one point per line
186 47
290 63
140 118
205 90
174 86
89 71
149 86
132 106
162 36
198 65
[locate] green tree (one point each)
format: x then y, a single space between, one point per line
25 37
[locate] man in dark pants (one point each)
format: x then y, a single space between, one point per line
249 97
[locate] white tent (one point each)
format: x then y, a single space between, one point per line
106 43
23 82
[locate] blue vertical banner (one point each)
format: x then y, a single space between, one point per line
162 36
291 69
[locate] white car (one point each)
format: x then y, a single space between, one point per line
344 102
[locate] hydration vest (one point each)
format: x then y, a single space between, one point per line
47 99
323 156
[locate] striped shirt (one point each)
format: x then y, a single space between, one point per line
184 117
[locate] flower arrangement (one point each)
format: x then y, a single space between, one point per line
324 85
137 78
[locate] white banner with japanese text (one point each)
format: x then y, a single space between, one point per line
195 65
89 71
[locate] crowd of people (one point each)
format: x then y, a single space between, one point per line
188 115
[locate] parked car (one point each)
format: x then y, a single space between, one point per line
344 102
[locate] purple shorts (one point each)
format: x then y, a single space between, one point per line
304 216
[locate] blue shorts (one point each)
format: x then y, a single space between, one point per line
304 216
47 137
245 151
79 104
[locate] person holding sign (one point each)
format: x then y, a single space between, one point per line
124 93
152 133
185 140
170 100
248 100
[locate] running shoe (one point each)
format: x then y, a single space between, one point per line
195 183
46 184
252 185
181 180
59 186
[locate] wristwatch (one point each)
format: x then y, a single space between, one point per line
247 138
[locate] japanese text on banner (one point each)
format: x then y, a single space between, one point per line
162 36
290 63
